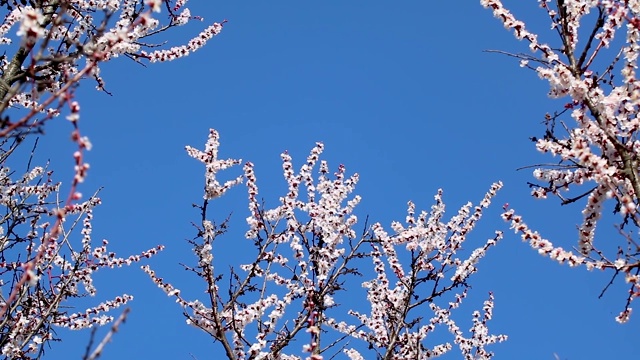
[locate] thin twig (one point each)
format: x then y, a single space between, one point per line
114 328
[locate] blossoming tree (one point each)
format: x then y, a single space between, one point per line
289 299
307 253
594 69
50 47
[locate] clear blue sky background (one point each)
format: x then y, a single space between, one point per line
401 93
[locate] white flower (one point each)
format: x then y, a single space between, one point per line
155 5
619 264
30 25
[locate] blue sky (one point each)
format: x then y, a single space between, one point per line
402 94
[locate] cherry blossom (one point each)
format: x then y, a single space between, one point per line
48 254
309 250
595 134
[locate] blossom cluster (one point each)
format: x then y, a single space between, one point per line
213 165
600 146
50 48
54 266
68 40
308 251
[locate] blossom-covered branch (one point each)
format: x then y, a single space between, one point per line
307 253
46 260
57 266
594 68
61 42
